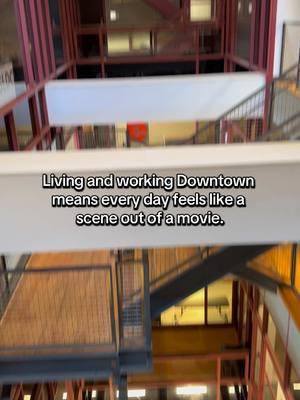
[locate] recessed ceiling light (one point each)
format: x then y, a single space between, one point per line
94 394
27 397
231 390
135 393
113 15
191 390
65 395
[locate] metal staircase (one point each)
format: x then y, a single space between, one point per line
270 114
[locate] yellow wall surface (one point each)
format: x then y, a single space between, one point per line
159 133
189 341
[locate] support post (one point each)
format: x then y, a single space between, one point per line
11 132
123 395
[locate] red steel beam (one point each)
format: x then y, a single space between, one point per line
35 121
11 132
42 37
49 36
36 42
271 39
262 34
166 8
25 41
253 43
33 90
148 59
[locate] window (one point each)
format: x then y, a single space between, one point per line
201 10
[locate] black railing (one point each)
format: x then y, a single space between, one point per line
74 309
271 113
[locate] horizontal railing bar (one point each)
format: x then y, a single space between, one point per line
54 346
178 266
226 356
59 356
56 269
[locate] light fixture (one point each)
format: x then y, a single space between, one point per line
135 393
65 395
27 397
231 390
297 386
250 8
191 390
239 6
94 394
113 15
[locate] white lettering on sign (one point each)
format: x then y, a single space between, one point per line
7 83
6 76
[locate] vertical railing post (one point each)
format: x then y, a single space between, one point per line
298 72
11 131
269 105
293 265
218 395
4 271
146 297
123 395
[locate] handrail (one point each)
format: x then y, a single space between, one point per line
244 102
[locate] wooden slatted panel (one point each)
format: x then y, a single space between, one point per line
164 264
297 275
275 262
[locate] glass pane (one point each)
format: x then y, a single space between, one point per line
261 306
188 312
10 50
138 12
56 29
271 373
220 302
233 369
89 46
23 124
267 393
118 43
201 10
243 28
295 383
276 342
141 41
258 355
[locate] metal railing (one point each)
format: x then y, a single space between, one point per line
74 310
55 309
271 113
134 302
165 265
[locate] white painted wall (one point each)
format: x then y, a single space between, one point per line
285 325
287 10
29 224
164 99
21 111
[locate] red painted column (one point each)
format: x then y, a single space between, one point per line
25 41
11 132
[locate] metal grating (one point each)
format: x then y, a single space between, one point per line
57 308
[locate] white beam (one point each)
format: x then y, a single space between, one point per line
28 222
179 98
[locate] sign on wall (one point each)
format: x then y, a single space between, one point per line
7 83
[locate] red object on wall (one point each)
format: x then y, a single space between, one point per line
137 132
